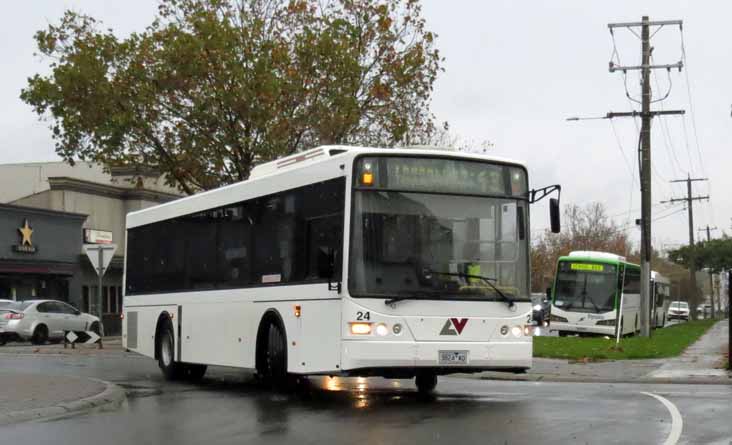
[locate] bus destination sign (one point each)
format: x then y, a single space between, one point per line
587 267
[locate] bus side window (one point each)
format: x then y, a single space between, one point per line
632 281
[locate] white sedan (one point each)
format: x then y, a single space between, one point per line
43 320
678 310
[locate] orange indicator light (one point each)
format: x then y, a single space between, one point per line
367 178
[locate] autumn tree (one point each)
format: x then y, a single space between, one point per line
583 228
212 87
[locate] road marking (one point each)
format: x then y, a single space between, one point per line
677 423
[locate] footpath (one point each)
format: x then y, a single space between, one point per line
25 397
701 363
28 397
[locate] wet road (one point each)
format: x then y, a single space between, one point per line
228 407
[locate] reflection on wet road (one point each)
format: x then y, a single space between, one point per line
230 407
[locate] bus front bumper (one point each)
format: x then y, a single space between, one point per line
582 328
360 354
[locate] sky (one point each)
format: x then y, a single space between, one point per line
514 71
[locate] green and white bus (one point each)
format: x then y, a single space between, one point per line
595 293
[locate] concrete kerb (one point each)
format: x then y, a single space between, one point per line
569 379
112 396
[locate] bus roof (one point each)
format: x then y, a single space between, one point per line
292 171
590 256
657 277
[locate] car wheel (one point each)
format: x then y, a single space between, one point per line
426 382
40 335
95 328
171 369
2 341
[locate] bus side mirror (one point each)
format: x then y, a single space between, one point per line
554 215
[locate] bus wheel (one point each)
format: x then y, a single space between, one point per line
563 333
171 369
426 382
275 358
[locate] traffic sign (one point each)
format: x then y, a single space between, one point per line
81 337
100 255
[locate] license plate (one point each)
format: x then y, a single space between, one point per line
453 357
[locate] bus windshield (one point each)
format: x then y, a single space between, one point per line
420 242
583 287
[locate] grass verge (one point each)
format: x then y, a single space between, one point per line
666 342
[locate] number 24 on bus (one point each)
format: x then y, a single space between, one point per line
402 263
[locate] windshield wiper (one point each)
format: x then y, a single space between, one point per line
409 296
597 308
486 280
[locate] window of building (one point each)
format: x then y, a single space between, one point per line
286 237
113 299
85 302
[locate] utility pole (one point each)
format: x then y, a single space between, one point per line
645 169
711 279
692 261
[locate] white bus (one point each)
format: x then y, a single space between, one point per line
592 291
339 261
661 291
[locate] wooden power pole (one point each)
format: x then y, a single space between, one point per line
645 138
689 200
711 278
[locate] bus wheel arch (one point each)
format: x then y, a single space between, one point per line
271 347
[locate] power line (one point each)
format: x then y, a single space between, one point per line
693 120
691 104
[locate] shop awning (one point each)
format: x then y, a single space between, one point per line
40 268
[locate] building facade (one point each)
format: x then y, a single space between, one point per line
66 207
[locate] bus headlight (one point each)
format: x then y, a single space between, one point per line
381 330
504 330
397 329
516 331
606 322
553 317
360 328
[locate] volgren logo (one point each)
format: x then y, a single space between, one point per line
454 326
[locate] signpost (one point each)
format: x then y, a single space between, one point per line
100 255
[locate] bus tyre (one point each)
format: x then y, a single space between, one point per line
563 333
426 382
274 361
171 369
40 335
